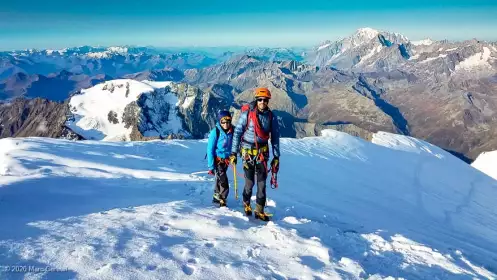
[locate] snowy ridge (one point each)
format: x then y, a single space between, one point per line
101 112
433 58
371 54
487 163
365 43
479 60
108 52
360 37
108 210
408 144
323 46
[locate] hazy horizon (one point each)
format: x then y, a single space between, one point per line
57 24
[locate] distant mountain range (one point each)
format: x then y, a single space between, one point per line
440 91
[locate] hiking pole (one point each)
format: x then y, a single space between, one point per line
234 176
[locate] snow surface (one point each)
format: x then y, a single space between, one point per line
157 84
433 58
117 49
108 53
188 101
92 106
408 144
371 53
487 163
345 208
414 57
98 54
359 38
91 109
476 60
452 49
367 32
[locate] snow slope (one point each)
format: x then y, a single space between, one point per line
345 209
92 108
487 163
478 60
408 144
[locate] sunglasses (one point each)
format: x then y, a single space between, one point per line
225 121
265 100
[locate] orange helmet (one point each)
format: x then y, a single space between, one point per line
262 92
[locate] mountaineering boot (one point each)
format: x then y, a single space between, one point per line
215 198
247 208
259 213
222 203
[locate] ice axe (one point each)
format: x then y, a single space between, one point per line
274 173
274 180
234 176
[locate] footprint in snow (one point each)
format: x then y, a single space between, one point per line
312 262
151 267
163 228
193 261
188 269
210 244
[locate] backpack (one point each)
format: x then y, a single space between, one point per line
252 115
217 137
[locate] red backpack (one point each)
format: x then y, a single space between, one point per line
252 115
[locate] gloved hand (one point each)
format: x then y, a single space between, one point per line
275 164
211 172
233 158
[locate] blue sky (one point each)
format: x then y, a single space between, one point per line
57 23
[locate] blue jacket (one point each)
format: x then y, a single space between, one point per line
246 137
221 148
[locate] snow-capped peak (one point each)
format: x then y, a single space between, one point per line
367 32
361 37
109 111
108 52
98 54
424 42
117 49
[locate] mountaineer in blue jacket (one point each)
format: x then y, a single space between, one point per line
218 152
256 127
